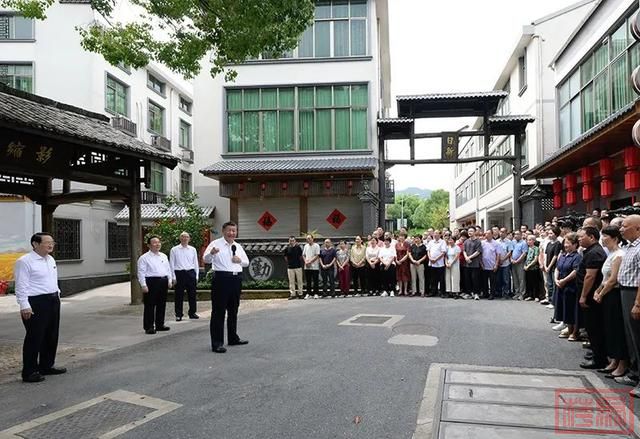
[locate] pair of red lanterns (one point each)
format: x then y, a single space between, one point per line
606 168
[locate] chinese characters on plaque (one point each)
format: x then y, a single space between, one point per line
450 143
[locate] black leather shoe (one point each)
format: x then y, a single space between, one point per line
491 297
54 371
35 377
178 319
219 350
194 316
163 328
150 331
238 342
591 365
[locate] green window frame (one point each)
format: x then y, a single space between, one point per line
116 97
292 119
157 178
155 84
184 140
155 118
18 76
185 182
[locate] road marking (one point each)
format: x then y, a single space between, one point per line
414 340
160 407
375 320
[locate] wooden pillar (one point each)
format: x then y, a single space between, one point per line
382 187
233 210
517 177
135 233
304 215
46 210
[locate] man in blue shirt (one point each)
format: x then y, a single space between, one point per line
505 246
490 263
518 257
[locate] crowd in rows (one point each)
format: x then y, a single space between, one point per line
588 274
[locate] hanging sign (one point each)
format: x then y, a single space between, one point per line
450 142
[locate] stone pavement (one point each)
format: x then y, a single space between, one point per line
95 321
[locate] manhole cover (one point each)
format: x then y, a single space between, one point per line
92 421
375 320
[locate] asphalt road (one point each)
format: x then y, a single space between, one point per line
303 375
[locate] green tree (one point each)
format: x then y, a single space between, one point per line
180 215
231 31
406 202
433 211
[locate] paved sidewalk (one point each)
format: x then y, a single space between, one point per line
95 321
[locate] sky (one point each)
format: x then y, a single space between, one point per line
450 46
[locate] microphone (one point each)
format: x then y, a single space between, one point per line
233 249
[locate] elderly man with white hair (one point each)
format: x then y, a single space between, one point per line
185 267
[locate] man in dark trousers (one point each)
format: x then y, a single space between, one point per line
38 294
155 277
185 267
227 258
589 278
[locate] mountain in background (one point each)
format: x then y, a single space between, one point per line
422 193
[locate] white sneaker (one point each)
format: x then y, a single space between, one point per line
476 297
537 300
559 327
384 294
550 306
307 297
392 295
315 296
357 295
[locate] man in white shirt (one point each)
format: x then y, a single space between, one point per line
437 251
227 259
155 277
311 257
185 267
38 294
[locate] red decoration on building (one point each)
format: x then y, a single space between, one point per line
285 185
240 186
631 164
263 187
557 193
305 185
327 184
571 181
606 172
336 218
267 221
349 184
571 198
586 175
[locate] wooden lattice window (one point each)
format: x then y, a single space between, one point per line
66 233
117 241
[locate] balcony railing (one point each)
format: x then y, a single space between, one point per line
124 125
161 143
389 192
187 155
150 197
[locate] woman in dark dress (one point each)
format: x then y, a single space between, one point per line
567 289
402 268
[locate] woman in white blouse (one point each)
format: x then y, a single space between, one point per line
387 256
372 272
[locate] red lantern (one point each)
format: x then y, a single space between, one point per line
571 197
349 184
263 186
632 181
571 181
606 188
586 174
557 201
240 186
557 186
305 185
631 157
606 168
587 192
285 185
327 184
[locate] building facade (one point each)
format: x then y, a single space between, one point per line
595 164
291 144
154 105
483 192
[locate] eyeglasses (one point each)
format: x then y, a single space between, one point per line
49 242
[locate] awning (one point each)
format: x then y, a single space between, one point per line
450 104
154 212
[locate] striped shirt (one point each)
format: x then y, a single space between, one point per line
629 274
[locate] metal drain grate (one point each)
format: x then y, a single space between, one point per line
371 320
90 422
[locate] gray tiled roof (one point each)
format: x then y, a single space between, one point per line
446 96
24 110
399 120
155 211
290 165
578 141
512 118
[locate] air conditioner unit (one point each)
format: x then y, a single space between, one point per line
187 155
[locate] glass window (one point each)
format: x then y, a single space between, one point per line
358 37
586 71
66 234
305 46
588 115
619 41
185 105
286 98
340 9
15 27
157 178
155 84
185 135
341 38
322 38
358 8
323 9
601 97
116 97
156 118
565 125
117 241
185 182
620 84
575 118
18 76
600 58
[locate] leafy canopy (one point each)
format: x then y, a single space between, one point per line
180 33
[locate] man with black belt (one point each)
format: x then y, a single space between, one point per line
185 267
227 259
37 293
154 275
589 277
629 280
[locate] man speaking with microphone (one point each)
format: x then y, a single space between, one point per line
227 259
